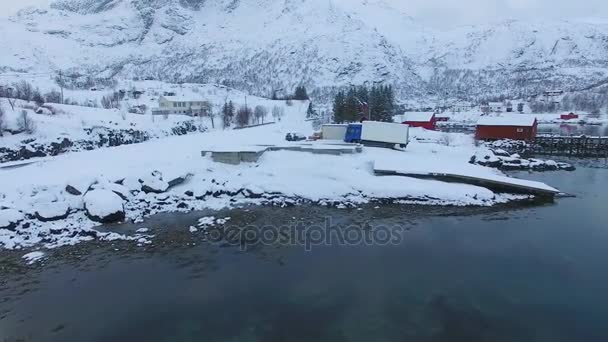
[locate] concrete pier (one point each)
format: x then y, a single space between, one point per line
495 183
251 154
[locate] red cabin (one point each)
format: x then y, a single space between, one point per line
426 120
513 127
570 116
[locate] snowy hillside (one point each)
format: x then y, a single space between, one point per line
265 45
57 129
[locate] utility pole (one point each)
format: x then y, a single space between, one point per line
61 84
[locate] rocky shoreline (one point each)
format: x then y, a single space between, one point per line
74 214
512 155
98 137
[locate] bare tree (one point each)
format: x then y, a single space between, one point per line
260 113
37 97
8 93
1 120
446 139
211 114
23 91
52 97
25 123
111 101
243 116
277 113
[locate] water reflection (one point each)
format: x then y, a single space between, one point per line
573 129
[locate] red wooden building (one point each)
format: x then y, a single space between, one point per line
515 127
570 116
426 120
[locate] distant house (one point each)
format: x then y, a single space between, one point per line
553 93
460 107
515 127
426 120
181 105
569 116
552 96
497 107
442 117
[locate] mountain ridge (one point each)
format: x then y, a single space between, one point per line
265 45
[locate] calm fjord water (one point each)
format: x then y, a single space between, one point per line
534 273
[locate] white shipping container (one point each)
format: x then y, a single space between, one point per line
333 132
385 132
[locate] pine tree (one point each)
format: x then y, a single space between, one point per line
300 93
352 106
227 114
339 101
310 112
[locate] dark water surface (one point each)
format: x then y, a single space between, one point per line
537 273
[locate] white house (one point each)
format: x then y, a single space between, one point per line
497 107
460 107
181 105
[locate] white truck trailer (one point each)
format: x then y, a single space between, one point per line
333 132
379 134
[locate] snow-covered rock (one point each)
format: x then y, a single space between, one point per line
33 257
10 218
116 188
53 211
72 190
104 206
154 183
516 162
178 180
44 111
131 183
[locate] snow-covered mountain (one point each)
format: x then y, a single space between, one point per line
264 45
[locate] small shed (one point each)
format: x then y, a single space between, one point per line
570 116
515 127
442 118
426 120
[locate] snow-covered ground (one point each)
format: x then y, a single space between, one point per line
47 202
90 124
72 121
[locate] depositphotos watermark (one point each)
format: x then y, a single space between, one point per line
306 235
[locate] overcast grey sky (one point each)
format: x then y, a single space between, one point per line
446 13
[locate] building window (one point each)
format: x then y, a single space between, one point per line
520 130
